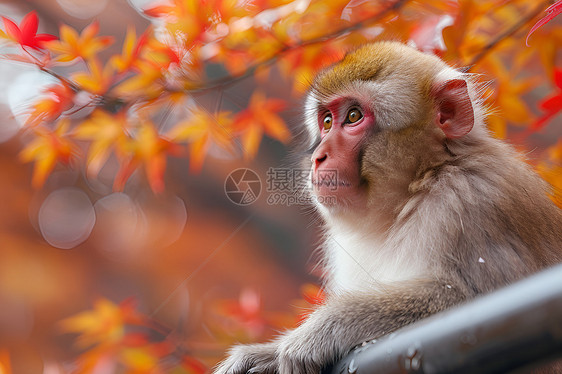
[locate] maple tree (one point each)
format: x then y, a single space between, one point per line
111 106
297 38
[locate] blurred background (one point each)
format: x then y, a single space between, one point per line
178 254
184 273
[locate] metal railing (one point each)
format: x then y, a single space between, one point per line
515 328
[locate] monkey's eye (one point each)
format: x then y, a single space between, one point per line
354 115
327 122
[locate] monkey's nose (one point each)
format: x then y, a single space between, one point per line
319 159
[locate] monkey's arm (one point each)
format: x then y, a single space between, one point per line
341 323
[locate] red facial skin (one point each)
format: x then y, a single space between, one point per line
336 175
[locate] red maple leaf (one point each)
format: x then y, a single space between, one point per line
26 33
552 104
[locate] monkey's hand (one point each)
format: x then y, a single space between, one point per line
254 358
310 347
304 350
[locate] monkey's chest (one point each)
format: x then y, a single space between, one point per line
363 265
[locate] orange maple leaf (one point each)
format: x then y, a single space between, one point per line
201 130
148 80
97 80
72 46
196 20
260 116
47 149
105 132
26 33
58 99
104 324
302 63
145 148
191 18
132 50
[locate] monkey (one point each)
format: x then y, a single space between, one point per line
423 208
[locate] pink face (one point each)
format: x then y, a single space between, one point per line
336 177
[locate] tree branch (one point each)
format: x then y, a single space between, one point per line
230 80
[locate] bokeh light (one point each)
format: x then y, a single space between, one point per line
66 218
83 9
120 231
26 87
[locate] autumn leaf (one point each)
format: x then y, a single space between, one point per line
260 117
146 148
160 55
190 18
72 46
148 81
49 148
58 98
131 50
104 131
302 63
552 104
26 33
201 130
104 324
162 10
510 88
461 43
193 19
97 80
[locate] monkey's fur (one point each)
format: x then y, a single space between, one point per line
441 211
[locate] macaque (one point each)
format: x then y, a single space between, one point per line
423 208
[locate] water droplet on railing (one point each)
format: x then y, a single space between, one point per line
352 368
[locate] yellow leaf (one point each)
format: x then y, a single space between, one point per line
104 131
72 46
251 140
131 50
202 129
47 149
260 116
146 81
96 80
103 324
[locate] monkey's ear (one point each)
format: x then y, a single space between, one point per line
455 115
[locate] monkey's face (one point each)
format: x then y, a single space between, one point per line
336 173
359 163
